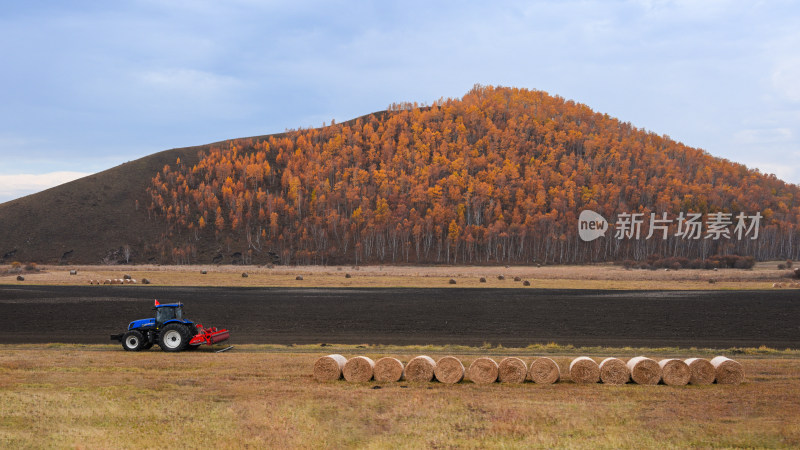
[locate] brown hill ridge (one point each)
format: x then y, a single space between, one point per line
497 176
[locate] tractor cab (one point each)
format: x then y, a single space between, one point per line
169 312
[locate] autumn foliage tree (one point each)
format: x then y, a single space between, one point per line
497 176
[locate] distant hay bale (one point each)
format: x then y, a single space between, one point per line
347 275
126 277
359 369
299 278
449 370
512 370
702 371
482 280
501 278
145 281
517 279
526 283
584 370
245 275
203 272
452 281
20 278
727 371
644 370
420 369
388 369
73 272
329 368
614 371
483 371
544 371
674 372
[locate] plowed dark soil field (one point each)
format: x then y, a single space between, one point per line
511 317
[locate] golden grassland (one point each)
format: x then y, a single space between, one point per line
601 276
264 396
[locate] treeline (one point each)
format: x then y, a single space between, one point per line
497 176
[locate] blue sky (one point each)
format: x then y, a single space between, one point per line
86 86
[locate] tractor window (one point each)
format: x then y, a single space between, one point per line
164 314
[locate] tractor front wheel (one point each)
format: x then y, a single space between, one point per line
133 341
173 337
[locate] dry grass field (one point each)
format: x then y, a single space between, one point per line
602 276
265 397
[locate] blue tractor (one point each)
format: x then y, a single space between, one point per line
169 330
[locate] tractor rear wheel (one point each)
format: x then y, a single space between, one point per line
132 341
173 337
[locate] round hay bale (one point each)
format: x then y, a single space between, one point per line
420 369
245 275
73 272
702 372
483 371
644 370
512 370
517 279
449 370
501 277
544 371
20 278
359 369
584 370
526 283
203 272
674 372
388 369
452 281
347 275
482 280
126 277
299 278
329 368
614 371
727 370
145 281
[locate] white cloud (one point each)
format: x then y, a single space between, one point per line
189 81
784 79
19 185
763 136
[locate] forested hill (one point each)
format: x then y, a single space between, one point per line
500 175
